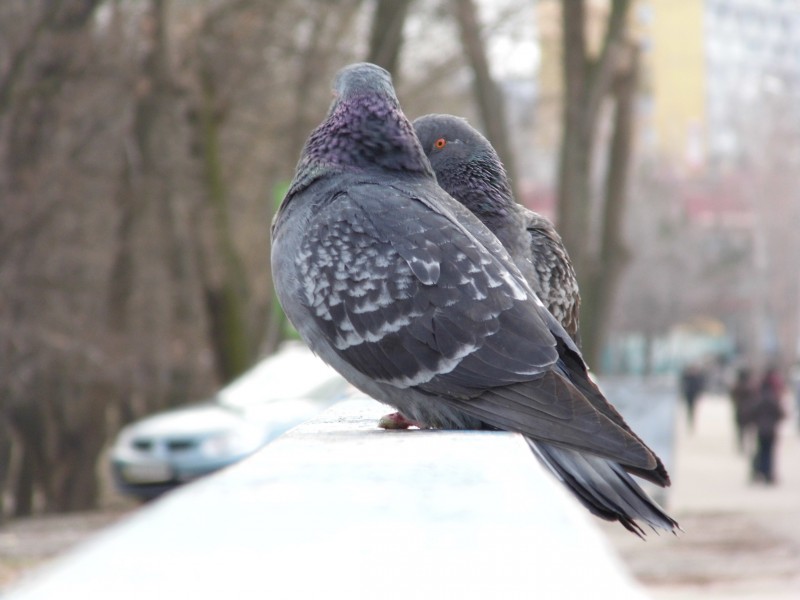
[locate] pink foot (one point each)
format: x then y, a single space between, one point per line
396 421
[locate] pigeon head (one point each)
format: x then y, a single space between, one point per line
363 79
465 163
449 139
365 127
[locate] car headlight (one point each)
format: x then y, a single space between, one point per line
123 444
231 443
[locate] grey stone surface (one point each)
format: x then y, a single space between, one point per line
338 508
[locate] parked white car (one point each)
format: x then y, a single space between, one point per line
159 452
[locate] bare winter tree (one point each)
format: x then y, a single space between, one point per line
49 351
486 91
386 34
588 82
139 158
602 274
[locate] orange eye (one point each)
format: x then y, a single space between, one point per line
440 143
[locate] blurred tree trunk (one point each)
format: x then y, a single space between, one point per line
587 83
52 57
607 267
73 482
139 181
61 31
386 34
487 94
25 485
5 458
225 284
151 241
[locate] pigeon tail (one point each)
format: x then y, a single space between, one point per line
604 488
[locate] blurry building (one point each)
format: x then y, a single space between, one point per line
752 52
719 127
706 64
674 73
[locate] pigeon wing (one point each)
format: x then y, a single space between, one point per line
403 295
554 269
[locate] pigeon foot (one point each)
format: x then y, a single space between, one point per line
396 421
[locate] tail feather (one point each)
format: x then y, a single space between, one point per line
604 487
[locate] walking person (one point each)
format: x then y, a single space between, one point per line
692 384
744 396
767 414
795 383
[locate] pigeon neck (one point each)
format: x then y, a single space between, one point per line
367 131
482 186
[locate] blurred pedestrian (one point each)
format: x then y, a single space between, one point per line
767 414
796 391
692 385
744 396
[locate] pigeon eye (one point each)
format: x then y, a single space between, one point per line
440 143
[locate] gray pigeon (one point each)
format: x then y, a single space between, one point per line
414 301
468 168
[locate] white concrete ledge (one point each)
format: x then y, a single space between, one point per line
340 509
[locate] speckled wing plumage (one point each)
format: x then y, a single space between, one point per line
379 267
405 292
557 282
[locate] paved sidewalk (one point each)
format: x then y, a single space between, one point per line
741 541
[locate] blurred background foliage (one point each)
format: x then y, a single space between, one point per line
145 145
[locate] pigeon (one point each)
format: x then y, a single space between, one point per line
404 291
468 168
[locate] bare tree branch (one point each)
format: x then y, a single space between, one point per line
490 99
586 85
601 71
386 34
